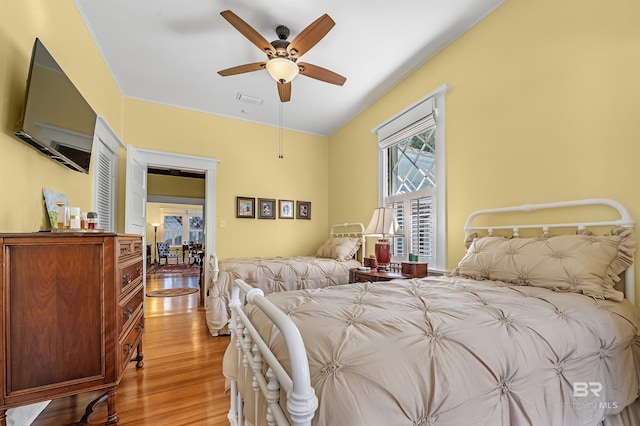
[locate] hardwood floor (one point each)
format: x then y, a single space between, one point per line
181 382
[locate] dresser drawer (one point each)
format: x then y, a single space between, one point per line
127 344
129 248
128 309
130 275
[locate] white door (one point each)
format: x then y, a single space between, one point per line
136 189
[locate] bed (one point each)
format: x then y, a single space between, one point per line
344 249
524 331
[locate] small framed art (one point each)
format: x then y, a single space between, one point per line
245 207
266 208
286 209
303 210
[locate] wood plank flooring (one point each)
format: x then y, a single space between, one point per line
181 382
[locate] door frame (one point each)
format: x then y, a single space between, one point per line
196 164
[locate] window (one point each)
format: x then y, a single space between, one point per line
183 226
411 171
195 229
173 230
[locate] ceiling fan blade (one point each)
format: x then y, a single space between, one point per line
247 31
321 74
240 69
284 90
311 35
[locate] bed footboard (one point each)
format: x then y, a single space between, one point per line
254 356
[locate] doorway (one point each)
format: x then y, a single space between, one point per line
138 162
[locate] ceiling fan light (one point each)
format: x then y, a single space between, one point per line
282 70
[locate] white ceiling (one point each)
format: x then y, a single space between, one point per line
169 52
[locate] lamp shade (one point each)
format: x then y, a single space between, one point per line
383 224
282 70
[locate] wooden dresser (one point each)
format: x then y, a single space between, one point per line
72 315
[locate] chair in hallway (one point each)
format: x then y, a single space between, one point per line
164 252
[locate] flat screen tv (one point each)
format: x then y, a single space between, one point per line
56 119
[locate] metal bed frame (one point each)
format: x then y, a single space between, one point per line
354 229
255 355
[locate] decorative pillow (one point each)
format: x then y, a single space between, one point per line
339 248
623 260
575 263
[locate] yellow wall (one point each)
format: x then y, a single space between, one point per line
249 167
175 186
543 107
248 152
24 172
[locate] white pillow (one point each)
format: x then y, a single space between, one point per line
339 248
573 263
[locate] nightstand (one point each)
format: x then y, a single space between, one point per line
360 276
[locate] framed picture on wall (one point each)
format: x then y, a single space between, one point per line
286 209
266 208
303 210
245 207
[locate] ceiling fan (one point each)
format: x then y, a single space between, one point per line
283 55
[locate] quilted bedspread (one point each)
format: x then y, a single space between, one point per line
270 275
454 351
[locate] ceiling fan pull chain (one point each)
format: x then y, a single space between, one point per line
281 135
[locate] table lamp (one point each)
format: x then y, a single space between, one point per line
383 224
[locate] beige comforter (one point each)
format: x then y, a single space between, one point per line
270 275
452 351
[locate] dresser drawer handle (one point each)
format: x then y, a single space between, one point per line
127 314
128 347
126 278
140 326
139 269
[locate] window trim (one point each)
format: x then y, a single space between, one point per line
438 96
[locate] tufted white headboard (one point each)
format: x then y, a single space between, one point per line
623 219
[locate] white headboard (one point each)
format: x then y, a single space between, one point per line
624 219
351 230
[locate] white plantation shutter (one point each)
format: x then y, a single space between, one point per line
105 191
415 213
422 225
399 243
105 158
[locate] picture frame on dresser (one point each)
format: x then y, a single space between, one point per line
245 207
266 208
286 209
